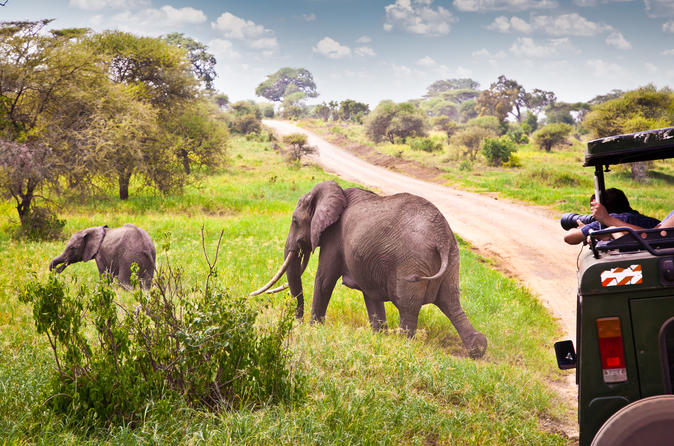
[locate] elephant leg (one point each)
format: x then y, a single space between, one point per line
375 312
409 318
327 273
449 303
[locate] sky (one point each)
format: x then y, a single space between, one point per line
371 50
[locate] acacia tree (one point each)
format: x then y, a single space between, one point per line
288 86
159 76
44 77
390 120
203 62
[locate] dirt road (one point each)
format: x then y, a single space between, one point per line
525 240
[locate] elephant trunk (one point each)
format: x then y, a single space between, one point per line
59 260
294 276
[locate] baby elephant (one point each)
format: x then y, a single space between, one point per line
114 249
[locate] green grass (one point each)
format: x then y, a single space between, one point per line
553 179
363 388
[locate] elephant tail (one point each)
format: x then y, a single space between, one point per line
444 255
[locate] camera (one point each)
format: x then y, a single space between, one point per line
570 220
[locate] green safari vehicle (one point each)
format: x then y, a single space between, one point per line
625 316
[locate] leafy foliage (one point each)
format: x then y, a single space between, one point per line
551 135
209 352
203 62
391 121
470 138
299 146
425 144
287 81
498 150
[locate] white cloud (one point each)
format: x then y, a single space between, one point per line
651 68
568 25
668 52
659 8
602 69
587 3
331 48
309 17
486 54
427 62
463 72
668 27
364 39
93 5
223 50
527 47
561 25
155 20
266 43
503 5
418 17
402 70
234 27
364 51
504 25
617 40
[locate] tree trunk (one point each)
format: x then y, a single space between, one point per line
639 171
23 208
124 178
182 153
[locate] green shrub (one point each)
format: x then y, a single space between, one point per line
114 360
551 135
498 150
41 224
245 124
425 144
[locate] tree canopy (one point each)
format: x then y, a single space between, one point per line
203 62
296 83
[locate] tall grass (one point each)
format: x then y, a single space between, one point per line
364 388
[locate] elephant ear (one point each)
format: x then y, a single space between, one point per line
93 237
329 203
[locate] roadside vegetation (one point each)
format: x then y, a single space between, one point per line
360 387
520 145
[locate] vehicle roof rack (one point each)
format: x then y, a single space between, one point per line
630 148
658 241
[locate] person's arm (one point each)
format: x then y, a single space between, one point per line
574 236
668 222
601 215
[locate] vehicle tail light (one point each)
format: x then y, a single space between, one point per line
611 350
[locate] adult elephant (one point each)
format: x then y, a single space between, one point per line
395 248
114 249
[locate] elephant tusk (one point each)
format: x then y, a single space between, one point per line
276 277
305 262
277 289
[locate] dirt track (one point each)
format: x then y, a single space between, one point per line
525 240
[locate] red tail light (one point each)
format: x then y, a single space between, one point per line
611 350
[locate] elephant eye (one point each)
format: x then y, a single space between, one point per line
294 221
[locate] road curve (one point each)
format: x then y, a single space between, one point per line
525 240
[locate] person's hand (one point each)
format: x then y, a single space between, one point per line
599 212
579 224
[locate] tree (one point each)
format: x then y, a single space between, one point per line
498 150
287 81
246 117
159 77
446 125
501 98
298 146
322 111
44 80
391 121
551 135
471 138
441 86
645 108
537 100
203 62
350 110
221 100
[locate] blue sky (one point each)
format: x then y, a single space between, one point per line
370 50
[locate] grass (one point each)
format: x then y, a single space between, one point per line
553 179
363 388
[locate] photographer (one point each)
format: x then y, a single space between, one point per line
616 211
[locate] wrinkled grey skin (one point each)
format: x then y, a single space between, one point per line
388 247
114 250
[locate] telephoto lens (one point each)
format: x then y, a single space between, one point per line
570 220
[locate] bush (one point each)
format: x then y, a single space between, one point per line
298 146
498 150
41 224
114 360
425 144
245 124
395 121
470 138
551 135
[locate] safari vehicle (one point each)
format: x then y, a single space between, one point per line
625 319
